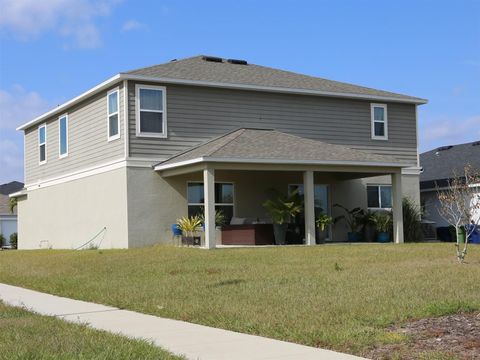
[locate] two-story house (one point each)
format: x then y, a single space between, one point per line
146 147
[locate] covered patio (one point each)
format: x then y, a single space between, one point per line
253 160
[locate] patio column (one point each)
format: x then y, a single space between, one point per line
308 194
209 199
397 207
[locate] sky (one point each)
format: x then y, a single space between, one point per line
53 50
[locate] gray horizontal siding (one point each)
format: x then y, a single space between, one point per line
196 114
87 141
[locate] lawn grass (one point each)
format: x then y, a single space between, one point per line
339 297
25 335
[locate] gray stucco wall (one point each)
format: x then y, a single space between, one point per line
196 114
87 140
155 202
67 215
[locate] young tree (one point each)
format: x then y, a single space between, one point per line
459 206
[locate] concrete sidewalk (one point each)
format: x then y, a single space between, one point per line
196 342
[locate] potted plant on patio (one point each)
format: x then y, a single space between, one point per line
353 219
219 218
189 226
383 222
282 209
369 231
321 223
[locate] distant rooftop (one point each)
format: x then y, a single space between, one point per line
234 71
11 187
442 162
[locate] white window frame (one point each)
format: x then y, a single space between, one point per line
44 125
216 204
380 197
385 121
60 155
138 87
117 136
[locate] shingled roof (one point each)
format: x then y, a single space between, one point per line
440 164
271 146
222 71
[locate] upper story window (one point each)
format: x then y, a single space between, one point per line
42 143
113 118
151 111
379 196
379 121
63 136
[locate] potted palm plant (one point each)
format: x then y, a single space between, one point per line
219 218
283 209
189 226
321 223
353 219
383 222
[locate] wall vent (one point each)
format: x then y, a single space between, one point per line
212 59
237 62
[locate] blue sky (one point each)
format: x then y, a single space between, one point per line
52 50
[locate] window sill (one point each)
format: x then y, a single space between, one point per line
151 135
113 138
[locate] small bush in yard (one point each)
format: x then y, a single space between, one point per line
412 225
2 239
14 240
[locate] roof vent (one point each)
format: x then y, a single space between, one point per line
237 62
443 148
476 143
212 59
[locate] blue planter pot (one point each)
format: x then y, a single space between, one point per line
383 237
353 237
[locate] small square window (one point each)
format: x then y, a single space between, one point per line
379 196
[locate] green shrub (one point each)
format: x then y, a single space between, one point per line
412 217
14 240
383 221
2 239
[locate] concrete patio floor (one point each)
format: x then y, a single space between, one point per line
196 342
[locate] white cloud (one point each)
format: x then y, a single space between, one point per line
132 25
18 106
439 132
69 18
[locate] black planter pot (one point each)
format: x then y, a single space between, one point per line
280 233
320 236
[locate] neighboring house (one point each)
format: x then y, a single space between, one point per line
439 166
8 220
132 154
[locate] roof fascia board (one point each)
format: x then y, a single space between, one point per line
102 86
160 167
271 89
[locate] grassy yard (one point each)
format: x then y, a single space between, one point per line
340 297
25 335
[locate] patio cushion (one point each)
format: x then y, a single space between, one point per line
237 221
